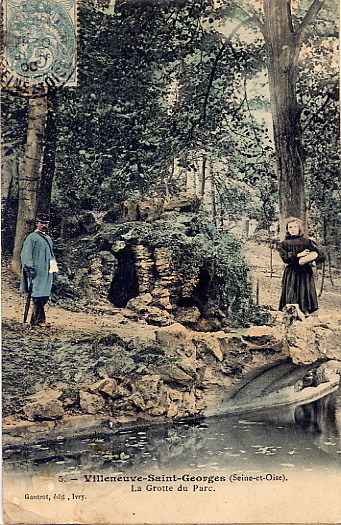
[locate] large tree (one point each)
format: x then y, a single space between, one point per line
30 173
36 170
283 43
283 35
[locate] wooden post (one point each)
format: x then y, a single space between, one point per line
271 248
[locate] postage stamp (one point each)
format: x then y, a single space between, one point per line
39 42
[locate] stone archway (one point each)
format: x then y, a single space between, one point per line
200 291
199 295
124 285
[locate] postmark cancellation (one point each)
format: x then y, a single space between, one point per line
40 43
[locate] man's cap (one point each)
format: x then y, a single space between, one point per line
42 217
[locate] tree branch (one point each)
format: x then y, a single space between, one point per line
211 78
315 7
250 18
227 40
257 140
241 24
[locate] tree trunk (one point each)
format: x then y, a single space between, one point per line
282 48
203 176
9 201
191 182
8 175
208 197
30 176
212 192
49 154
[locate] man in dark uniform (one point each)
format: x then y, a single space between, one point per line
38 268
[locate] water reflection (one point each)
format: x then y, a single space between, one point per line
322 419
305 437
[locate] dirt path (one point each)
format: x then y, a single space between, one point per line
62 321
107 317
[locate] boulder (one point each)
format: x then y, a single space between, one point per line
139 339
229 341
106 386
148 385
129 211
139 304
153 315
122 392
260 338
138 401
300 336
330 368
161 298
49 409
329 340
170 373
157 404
210 343
302 343
176 339
120 363
158 317
187 315
184 202
117 246
150 209
61 391
163 303
91 403
48 395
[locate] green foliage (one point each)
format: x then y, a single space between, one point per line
13 120
104 122
120 129
14 127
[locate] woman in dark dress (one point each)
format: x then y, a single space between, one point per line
298 284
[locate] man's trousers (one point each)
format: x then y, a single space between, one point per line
38 312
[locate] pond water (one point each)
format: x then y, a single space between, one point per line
305 437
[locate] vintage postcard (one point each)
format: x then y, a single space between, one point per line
170 262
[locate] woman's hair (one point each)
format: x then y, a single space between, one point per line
293 219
